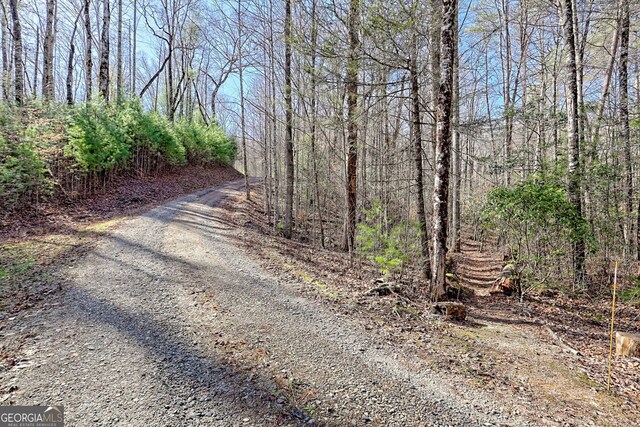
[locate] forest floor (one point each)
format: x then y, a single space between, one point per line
196 313
546 355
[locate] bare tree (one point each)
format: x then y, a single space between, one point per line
288 204
351 87
416 122
573 149
243 126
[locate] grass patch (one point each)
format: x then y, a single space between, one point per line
321 288
26 267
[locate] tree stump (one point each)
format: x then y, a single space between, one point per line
451 310
505 283
627 344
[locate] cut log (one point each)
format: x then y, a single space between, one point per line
627 344
451 310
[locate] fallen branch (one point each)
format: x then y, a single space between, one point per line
559 341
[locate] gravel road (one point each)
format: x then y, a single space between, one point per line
167 323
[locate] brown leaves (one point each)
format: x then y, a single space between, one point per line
125 196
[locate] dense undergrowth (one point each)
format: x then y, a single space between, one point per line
76 150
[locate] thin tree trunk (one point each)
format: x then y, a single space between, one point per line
457 152
171 107
435 27
6 69
134 53
274 123
36 64
119 70
351 86
88 59
72 51
103 73
573 149
606 84
243 129
266 138
314 118
48 88
624 119
417 154
288 208
18 66
508 103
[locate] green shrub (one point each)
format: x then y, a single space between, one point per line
539 224
391 246
205 143
151 131
22 172
95 140
95 137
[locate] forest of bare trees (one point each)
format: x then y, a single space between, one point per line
388 129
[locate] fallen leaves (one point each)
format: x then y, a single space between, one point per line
504 347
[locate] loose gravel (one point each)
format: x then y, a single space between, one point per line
167 323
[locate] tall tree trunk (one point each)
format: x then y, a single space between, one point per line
274 122
457 152
88 55
48 88
267 137
36 64
103 73
119 70
508 102
72 51
134 49
435 26
314 117
6 68
288 203
243 129
443 150
606 85
573 149
171 108
351 87
624 121
416 124
18 66
539 151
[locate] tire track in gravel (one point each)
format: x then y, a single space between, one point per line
168 323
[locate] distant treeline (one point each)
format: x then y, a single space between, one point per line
78 150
